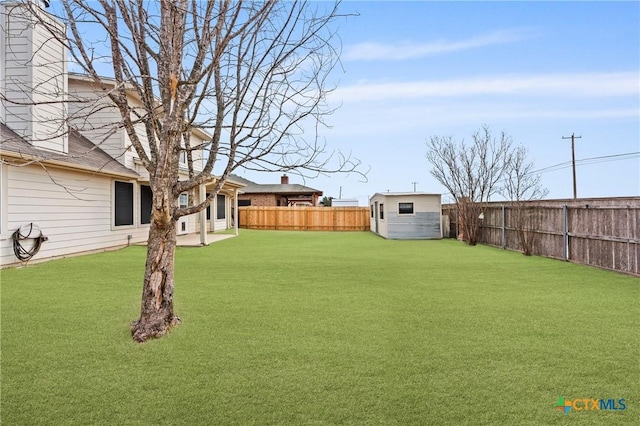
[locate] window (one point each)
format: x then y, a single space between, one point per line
244 203
381 211
184 200
123 194
405 208
371 210
145 204
183 157
208 210
220 211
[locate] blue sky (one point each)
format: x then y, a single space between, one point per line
536 70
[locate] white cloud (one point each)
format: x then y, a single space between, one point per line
613 84
409 50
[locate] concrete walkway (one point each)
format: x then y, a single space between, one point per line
193 240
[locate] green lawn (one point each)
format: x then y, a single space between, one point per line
321 328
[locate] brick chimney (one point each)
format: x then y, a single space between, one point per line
284 180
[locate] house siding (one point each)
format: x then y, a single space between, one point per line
49 91
74 210
99 121
421 225
16 75
197 155
34 70
96 118
73 207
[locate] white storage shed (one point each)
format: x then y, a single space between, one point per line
406 215
344 202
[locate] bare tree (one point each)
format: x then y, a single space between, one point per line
251 74
522 185
470 172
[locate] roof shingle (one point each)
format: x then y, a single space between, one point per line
82 153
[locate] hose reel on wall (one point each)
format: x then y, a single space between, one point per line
22 236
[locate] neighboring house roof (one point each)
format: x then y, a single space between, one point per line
259 188
291 188
241 180
83 154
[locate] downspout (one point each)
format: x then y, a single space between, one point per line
504 229
565 233
237 212
203 216
214 213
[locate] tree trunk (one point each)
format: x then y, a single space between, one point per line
525 228
470 226
156 314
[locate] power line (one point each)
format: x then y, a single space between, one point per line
605 158
608 158
548 168
581 162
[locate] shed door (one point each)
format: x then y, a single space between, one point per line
376 214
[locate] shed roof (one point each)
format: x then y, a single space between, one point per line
404 194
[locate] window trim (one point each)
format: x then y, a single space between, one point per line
3 198
185 204
140 194
406 213
114 225
220 208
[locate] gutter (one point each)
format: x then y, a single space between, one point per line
66 165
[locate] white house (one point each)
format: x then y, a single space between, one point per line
406 215
74 179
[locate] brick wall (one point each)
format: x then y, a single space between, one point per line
260 200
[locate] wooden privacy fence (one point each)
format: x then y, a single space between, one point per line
604 236
305 218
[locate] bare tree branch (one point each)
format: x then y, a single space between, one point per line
228 84
470 172
522 185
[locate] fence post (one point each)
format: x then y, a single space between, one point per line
334 224
565 233
635 244
504 230
631 269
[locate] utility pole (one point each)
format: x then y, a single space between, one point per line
414 186
573 160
